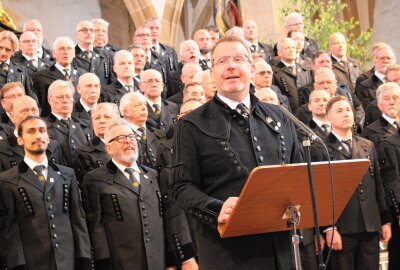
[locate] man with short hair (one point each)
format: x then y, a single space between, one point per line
69 132
161 113
288 75
93 154
89 91
214 34
64 53
203 39
251 35
100 27
27 55
139 59
124 69
166 53
299 39
43 225
188 72
8 93
388 96
193 91
267 95
204 78
11 154
89 58
346 69
36 27
133 107
355 243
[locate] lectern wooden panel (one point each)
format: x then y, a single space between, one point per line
269 190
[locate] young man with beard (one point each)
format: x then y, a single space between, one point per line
42 225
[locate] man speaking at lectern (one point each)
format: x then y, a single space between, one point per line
216 148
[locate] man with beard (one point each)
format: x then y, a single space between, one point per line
93 154
42 225
11 154
124 208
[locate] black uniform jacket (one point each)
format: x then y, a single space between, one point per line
347 74
367 209
113 92
11 154
30 68
125 222
43 227
378 130
163 121
366 90
215 150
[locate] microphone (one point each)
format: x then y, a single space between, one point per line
310 134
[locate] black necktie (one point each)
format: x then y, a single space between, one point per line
128 88
65 122
397 124
157 109
243 110
348 144
142 131
132 179
66 73
4 67
325 128
39 172
87 55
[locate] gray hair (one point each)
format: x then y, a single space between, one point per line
117 122
126 100
56 85
384 87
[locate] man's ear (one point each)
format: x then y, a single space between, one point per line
20 141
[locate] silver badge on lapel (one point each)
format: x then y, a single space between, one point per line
340 148
73 126
51 180
145 176
269 119
279 124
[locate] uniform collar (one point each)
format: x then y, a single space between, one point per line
233 103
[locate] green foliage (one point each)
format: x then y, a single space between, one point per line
323 18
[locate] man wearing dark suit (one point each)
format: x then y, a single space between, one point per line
162 113
89 91
124 207
346 69
383 58
216 148
42 225
8 93
133 108
63 51
10 71
93 154
89 58
288 75
11 153
69 132
27 55
250 31
203 39
139 59
101 38
356 234
167 54
388 96
389 161
36 27
124 69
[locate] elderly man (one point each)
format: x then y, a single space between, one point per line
161 113
93 154
87 57
167 53
251 35
11 154
100 27
8 93
205 79
89 91
133 107
383 58
203 39
69 132
10 71
267 95
27 55
139 59
36 27
188 72
346 69
124 69
221 138
38 191
63 52
288 75
355 243
190 53
388 96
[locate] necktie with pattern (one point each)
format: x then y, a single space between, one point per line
135 183
243 110
39 172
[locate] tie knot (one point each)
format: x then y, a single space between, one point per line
243 110
157 109
253 48
65 122
129 171
153 49
128 87
39 169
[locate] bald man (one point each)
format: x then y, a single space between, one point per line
203 39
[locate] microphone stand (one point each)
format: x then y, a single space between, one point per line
310 136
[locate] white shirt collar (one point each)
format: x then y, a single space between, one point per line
32 164
288 65
152 103
341 138
83 50
122 168
61 68
389 119
124 84
380 76
30 58
338 59
320 123
86 107
233 103
59 117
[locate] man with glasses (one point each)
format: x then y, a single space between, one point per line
8 93
63 52
100 27
216 148
124 207
69 132
36 27
88 57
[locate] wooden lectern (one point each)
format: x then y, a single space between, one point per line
269 191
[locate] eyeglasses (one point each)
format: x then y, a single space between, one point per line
142 35
123 138
14 96
29 41
238 59
86 30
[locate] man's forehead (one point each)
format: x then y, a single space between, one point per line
238 48
120 130
35 123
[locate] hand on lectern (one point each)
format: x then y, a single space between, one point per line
337 239
227 209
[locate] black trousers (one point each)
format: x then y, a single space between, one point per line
394 247
360 251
